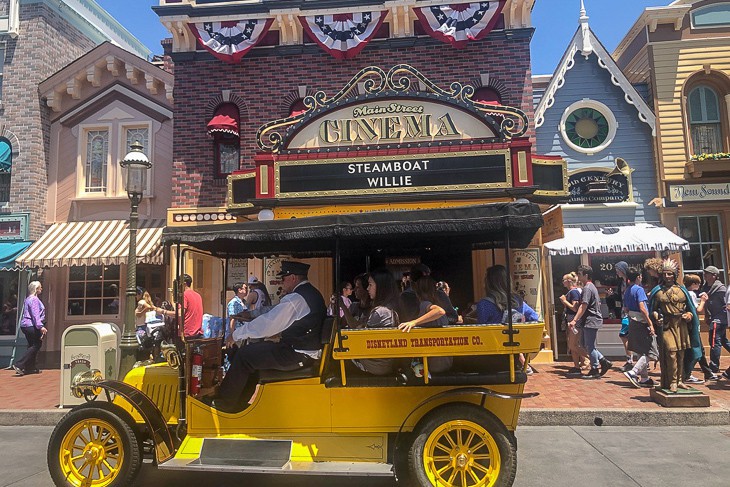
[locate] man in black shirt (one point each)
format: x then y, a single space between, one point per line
715 314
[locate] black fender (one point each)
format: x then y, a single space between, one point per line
160 434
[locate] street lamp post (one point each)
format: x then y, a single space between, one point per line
134 172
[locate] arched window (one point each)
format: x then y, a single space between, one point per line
487 96
6 167
704 120
297 107
224 128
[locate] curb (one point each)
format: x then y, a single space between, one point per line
31 417
712 416
625 417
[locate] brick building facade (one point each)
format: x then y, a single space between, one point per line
268 79
37 38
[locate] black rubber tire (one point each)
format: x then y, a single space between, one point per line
119 420
462 412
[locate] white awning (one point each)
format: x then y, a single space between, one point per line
94 243
599 239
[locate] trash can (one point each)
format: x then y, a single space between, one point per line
86 347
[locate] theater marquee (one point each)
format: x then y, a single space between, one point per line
394 136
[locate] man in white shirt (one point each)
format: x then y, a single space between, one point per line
296 322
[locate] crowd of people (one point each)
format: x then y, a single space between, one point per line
661 323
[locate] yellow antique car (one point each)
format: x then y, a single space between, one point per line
450 429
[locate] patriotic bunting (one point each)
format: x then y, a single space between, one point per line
229 41
459 23
343 35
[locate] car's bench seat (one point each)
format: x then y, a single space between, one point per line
310 369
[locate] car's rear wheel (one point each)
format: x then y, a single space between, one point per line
93 447
462 445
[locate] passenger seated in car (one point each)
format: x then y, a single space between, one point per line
430 315
493 308
383 292
356 316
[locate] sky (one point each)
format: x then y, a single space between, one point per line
555 22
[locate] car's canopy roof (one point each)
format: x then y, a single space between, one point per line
481 226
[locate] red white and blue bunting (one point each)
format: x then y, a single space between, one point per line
459 23
229 41
343 35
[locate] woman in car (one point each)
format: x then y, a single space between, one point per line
494 308
383 291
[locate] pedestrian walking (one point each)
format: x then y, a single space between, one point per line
589 318
571 302
716 315
692 284
641 334
33 326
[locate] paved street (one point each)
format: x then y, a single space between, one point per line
548 456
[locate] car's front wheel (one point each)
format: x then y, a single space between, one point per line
93 446
462 445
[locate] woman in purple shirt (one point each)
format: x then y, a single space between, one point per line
32 324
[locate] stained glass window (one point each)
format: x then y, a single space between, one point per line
97 152
587 128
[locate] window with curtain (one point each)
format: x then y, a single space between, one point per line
6 166
704 120
97 156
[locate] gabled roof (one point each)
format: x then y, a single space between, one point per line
86 72
587 43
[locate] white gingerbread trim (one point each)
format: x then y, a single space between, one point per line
585 40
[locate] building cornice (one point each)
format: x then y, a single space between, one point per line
176 15
96 23
649 20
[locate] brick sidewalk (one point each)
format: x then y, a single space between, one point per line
557 391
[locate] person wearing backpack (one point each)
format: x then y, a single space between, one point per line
494 309
589 318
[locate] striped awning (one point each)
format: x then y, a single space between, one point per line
94 243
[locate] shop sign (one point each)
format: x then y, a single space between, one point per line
393 174
526 276
272 266
679 193
13 227
237 271
390 122
552 227
595 186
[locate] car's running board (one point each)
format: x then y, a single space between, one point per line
361 469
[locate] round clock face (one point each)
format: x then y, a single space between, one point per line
586 127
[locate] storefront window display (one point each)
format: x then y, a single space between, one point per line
705 243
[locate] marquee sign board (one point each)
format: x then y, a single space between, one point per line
388 174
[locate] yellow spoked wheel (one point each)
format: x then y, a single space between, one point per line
93 447
462 445
461 453
91 453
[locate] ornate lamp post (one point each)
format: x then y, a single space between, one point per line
134 173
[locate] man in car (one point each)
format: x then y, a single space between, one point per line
296 322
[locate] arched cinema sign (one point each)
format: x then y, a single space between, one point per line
390 121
